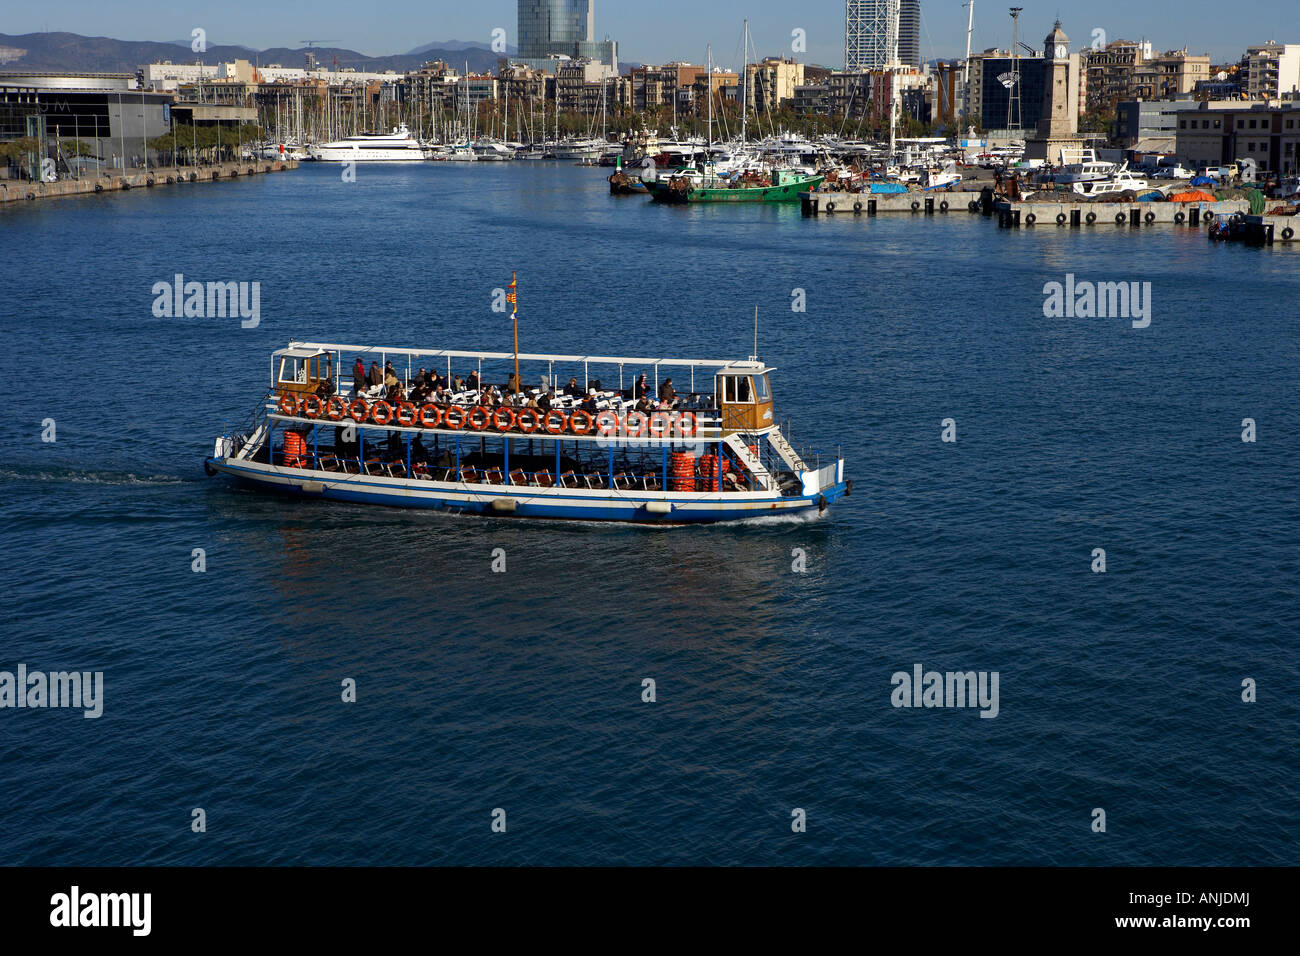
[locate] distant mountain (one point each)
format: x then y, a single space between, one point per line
460 45
72 53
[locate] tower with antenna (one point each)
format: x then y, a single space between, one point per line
1014 118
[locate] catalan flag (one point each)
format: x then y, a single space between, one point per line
511 296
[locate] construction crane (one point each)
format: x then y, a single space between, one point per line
310 43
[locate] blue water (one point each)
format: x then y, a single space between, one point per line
522 690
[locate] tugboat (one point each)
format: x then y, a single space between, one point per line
637 452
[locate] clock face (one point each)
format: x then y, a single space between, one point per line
1062 51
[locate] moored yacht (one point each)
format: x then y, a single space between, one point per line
399 146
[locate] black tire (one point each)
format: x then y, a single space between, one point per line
943 205
915 205
1030 219
208 469
1090 218
149 182
1060 219
1119 218
1149 218
1179 218
857 207
973 206
1208 215
99 187
1287 232
830 207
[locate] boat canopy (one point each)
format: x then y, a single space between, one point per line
307 349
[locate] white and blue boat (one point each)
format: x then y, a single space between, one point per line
591 451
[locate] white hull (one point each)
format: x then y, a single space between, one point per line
333 154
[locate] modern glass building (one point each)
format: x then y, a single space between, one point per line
550 28
866 34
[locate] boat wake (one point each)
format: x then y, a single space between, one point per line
83 476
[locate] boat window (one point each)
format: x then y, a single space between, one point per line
735 388
293 370
762 389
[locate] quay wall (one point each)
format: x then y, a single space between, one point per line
17 190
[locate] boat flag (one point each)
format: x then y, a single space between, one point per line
511 297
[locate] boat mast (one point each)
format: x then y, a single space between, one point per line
744 84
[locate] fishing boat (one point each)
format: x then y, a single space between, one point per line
784 185
597 451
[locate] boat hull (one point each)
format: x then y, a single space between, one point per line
526 501
788 192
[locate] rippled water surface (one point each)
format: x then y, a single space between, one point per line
523 690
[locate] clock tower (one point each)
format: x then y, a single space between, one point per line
1058 124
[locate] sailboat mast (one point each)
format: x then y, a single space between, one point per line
744 84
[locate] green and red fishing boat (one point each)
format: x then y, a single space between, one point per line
784 185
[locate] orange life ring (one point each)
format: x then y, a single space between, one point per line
607 423
459 423
479 418
496 418
311 406
359 416
287 405
664 422
546 421
423 416
383 407
588 422
405 414
681 423
534 420
335 408
641 429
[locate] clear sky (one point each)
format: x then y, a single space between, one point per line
654 31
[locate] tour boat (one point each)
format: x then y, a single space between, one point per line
711 452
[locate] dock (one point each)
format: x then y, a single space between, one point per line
833 203
1132 215
17 190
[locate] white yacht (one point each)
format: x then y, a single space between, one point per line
399 146
580 149
1117 182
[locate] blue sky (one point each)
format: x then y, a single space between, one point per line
653 31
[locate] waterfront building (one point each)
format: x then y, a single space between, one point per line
1220 133
1272 71
1058 123
770 83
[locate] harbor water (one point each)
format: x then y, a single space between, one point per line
523 690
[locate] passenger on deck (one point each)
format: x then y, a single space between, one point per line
421 377
640 387
458 385
589 403
544 401
512 384
473 381
667 394
645 405
391 385
376 377
573 388
359 376
532 402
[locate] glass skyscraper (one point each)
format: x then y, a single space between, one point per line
565 27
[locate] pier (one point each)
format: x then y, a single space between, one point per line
832 203
17 190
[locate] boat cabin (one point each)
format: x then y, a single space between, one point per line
744 399
300 371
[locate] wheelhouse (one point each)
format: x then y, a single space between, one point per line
301 371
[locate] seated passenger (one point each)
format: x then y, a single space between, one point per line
589 403
667 394
512 384
375 377
472 382
573 388
359 377
640 387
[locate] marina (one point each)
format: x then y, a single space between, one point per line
11 191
